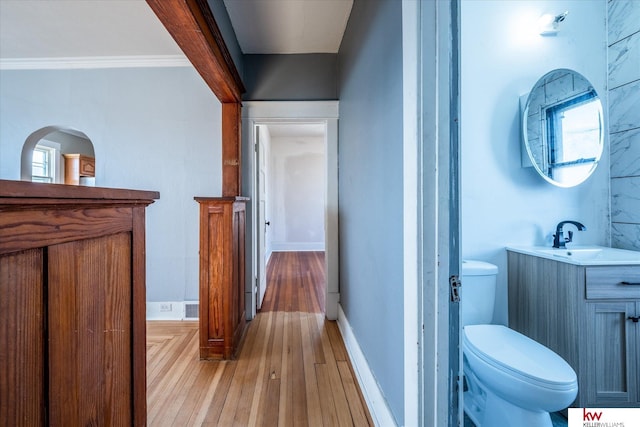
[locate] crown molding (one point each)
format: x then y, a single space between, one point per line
89 62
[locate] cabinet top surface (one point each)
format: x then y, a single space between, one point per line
221 199
17 190
582 255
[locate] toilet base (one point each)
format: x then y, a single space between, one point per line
486 409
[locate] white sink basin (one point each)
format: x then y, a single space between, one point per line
582 255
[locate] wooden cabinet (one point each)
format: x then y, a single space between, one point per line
222 276
613 354
77 166
72 305
586 315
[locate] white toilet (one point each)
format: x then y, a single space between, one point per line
511 379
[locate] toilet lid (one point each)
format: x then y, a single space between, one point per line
511 351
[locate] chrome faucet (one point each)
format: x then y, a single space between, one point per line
559 240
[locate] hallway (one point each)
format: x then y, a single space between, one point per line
292 370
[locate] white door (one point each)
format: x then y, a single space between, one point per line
262 228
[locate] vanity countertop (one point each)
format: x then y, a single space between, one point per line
582 255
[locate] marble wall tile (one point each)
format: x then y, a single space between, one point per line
623 19
625 236
625 153
625 199
559 89
624 121
624 61
624 107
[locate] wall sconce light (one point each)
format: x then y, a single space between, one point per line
548 23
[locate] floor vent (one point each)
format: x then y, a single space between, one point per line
191 310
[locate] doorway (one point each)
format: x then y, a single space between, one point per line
290 193
273 228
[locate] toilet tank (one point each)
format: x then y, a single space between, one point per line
478 292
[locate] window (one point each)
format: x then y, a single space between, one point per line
44 163
574 134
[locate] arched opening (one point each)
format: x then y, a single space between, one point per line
58 155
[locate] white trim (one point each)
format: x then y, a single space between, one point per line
319 112
296 246
371 390
88 62
284 110
411 233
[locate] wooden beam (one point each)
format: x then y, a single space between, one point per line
193 27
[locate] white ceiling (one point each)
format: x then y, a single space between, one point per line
289 26
120 28
81 28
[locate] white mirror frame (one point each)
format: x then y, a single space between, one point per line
580 86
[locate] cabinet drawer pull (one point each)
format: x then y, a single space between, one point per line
630 283
634 318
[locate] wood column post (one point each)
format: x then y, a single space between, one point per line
231 149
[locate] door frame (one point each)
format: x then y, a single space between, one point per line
294 112
431 211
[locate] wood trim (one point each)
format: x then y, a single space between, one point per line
231 150
29 221
138 315
24 190
34 228
192 26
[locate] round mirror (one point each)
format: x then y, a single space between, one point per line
562 127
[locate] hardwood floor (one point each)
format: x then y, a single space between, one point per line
296 282
292 370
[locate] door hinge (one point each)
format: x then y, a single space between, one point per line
454 286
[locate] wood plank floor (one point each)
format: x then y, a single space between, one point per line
292 370
296 282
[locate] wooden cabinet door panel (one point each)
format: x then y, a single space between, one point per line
612 353
22 400
89 316
216 238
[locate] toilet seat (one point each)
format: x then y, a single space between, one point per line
519 356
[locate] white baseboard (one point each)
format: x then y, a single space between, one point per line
168 310
373 396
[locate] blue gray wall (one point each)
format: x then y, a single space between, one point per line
296 77
152 129
301 77
624 121
221 16
371 188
